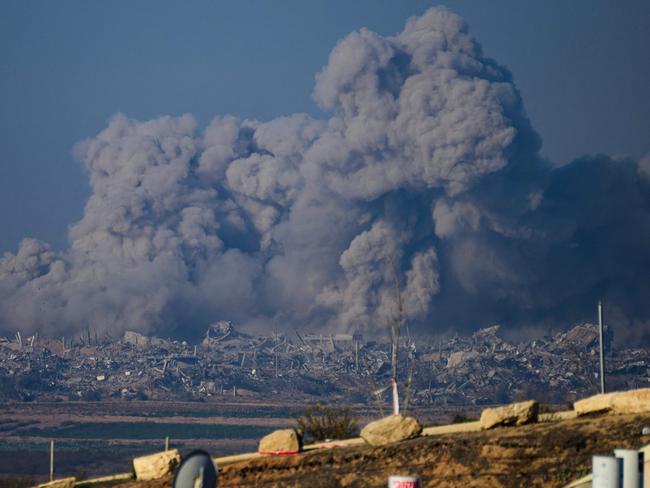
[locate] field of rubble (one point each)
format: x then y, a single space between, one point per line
104 401
481 369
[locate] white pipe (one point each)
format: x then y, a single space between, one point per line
606 472
395 398
630 459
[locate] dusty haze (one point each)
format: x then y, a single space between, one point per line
427 169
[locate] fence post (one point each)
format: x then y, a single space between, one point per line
51 460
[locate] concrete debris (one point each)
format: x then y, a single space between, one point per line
482 369
460 358
514 414
394 428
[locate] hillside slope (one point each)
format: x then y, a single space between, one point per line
546 454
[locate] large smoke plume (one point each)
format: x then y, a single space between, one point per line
427 174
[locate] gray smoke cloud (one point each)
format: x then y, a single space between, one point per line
427 173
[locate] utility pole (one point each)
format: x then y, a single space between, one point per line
356 356
602 347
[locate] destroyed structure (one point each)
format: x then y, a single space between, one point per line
476 370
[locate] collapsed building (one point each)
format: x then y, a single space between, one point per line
479 369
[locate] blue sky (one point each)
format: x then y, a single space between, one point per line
66 67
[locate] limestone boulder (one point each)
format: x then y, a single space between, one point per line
281 441
514 414
156 465
595 404
393 428
635 401
620 402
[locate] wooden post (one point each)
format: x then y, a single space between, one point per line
52 460
602 347
167 443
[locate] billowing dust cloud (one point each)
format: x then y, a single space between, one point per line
426 175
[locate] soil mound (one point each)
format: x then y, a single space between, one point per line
538 455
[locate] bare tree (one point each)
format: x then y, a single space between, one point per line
396 322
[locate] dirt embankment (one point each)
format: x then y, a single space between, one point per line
539 455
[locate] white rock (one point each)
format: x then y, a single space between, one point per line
156 465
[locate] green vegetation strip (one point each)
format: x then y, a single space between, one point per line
149 430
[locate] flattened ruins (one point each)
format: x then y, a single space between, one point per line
476 370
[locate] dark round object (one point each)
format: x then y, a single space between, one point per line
196 471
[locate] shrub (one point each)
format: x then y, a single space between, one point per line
319 423
461 418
